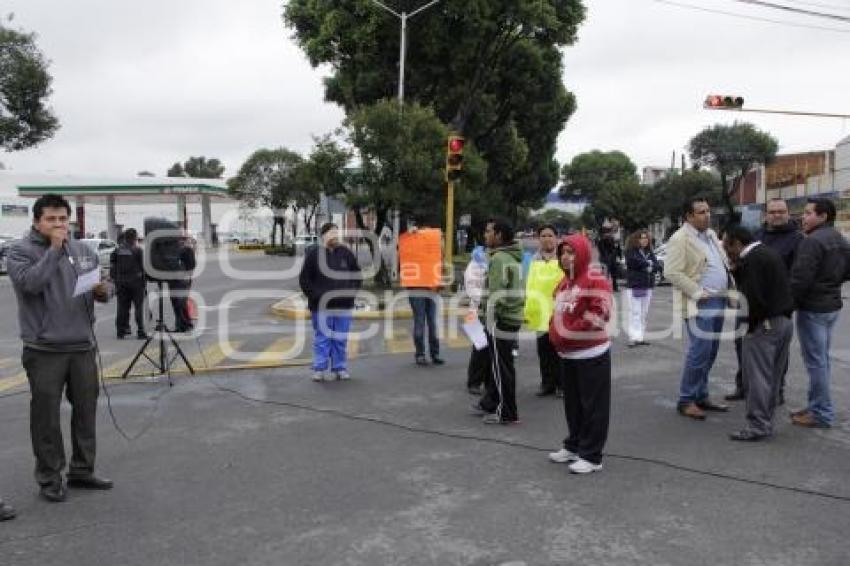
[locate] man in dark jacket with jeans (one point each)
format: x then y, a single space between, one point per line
821 267
56 322
329 279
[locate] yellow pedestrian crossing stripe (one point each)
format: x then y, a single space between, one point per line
400 343
213 355
279 350
286 351
12 382
353 347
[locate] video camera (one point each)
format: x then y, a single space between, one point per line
163 246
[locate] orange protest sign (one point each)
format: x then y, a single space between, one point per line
420 256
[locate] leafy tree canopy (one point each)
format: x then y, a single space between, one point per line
25 118
197 168
634 205
673 191
588 173
731 151
490 68
267 178
401 161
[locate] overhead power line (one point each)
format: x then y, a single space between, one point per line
746 17
845 8
794 10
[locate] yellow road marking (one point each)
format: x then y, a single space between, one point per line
12 382
400 343
353 347
275 352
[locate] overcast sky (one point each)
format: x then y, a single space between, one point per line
140 85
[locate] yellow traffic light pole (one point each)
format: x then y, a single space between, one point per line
450 216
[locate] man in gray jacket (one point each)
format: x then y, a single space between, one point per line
56 326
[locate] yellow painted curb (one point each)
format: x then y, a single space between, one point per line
292 308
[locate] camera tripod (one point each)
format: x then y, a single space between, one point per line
163 363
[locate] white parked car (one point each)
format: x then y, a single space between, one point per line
102 247
304 241
4 251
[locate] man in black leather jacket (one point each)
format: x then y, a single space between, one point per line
821 267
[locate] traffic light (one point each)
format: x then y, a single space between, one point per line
454 157
723 102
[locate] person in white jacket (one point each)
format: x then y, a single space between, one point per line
474 280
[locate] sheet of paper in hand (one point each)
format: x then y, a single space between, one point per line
86 282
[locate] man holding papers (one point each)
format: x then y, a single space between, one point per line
53 281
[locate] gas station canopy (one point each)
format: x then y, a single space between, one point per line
141 191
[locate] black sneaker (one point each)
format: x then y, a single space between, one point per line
438 361
421 361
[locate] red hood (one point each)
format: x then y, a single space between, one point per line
582 247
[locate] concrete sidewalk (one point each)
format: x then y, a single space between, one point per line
269 468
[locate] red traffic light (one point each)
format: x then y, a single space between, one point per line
455 145
723 102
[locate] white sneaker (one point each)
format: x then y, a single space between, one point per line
584 467
343 375
563 456
318 376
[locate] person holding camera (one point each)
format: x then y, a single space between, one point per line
127 271
56 319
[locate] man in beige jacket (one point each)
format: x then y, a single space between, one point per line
696 265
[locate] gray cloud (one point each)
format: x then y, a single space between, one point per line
139 85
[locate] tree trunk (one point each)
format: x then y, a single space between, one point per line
733 217
294 222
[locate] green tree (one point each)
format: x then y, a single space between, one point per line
562 220
731 151
401 163
175 170
325 171
490 68
25 118
674 190
268 178
633 204
588 173
197 168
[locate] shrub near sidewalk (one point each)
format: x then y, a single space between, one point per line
267 248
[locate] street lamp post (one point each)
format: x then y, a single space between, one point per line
402 59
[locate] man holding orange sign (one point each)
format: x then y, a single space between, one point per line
420 270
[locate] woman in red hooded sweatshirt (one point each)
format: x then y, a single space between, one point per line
577 331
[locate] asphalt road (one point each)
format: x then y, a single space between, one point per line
269 468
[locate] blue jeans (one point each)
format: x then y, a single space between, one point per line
330 338
814 330
424 309
703 343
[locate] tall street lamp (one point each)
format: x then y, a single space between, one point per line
403 16
402 58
